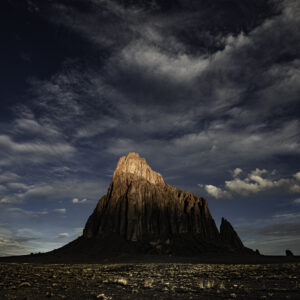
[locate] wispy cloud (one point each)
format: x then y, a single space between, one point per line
8 176
33 151
297 201
79 230
53 190
30 213
60 210
62 235
18 186
8 199
280 233
153 94
16 243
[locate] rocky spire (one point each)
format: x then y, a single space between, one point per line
229 236
142 210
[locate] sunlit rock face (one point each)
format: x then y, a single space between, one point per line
140 207
134 164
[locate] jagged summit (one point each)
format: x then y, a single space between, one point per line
134 164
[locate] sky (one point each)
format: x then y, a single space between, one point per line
207 91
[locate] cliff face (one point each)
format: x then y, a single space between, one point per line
142 209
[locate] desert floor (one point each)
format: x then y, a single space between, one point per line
149 281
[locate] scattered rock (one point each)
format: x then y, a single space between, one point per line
121 281
159 281
148 283
102 297
25 284
49 295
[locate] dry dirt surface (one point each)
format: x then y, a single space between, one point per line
149 281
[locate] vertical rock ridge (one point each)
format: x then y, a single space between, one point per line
229 236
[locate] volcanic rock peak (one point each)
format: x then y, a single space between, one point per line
134 164
141 211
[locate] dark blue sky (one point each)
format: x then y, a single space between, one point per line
207 91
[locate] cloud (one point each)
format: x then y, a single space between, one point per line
79 230
2 188
297 176
156 94
297 201
76 200
218 146
237 172
97 127
32 7
18 186
27 231
35 152
252 184
179 68
274 238
8 176
67 188
55 189
15 198
15 243
30 213
216 192
29 125
60 210
255 183
62 235
287 216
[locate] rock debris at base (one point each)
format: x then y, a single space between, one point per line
149 281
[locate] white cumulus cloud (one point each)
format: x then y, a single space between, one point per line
237 172
216 192
257 181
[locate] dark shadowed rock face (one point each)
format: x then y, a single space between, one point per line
143 210
229 236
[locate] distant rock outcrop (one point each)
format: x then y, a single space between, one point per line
289 252
151 216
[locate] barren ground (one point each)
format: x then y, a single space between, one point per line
149 281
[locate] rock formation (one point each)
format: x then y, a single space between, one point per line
229 237
153 217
